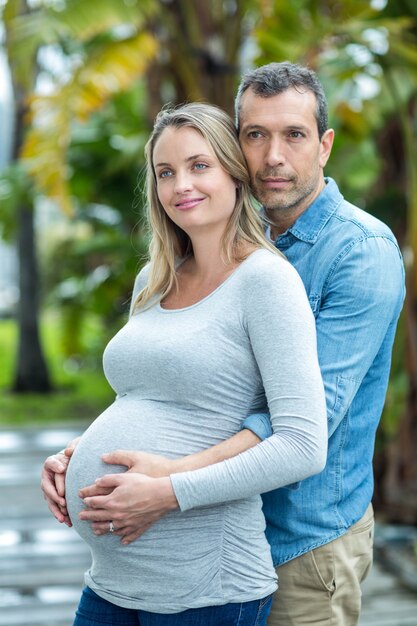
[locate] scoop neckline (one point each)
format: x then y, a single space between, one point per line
216 290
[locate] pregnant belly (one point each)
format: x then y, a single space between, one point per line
187 549
145 562
129 424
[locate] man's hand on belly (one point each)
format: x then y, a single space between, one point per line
154 465
53 481
133 503
129 514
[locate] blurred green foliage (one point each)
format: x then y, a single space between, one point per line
89 259
82 391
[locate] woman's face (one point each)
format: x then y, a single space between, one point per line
195 191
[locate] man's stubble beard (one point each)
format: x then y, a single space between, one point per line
283 201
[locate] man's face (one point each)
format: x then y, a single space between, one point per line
285 156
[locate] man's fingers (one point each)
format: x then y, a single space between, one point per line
94 490
54 466
55 510
53 486
63 510
49 489
57 463
69 450
119 457
60 484
60 515
153 465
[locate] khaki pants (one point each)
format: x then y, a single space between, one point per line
322 587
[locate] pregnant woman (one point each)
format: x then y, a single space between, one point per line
220 327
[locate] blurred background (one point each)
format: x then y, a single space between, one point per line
80 85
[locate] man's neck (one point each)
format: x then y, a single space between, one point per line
281 219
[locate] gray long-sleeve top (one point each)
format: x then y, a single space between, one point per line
186 379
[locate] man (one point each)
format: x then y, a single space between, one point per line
320 530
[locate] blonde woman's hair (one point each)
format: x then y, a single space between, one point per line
169 242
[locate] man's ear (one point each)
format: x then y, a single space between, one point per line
326 144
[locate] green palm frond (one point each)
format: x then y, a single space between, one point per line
83 20
107 49
110 70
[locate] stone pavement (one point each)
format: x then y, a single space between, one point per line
42 562
385 602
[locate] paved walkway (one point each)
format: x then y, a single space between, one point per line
42 562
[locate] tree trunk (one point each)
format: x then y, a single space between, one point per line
201 43
31 371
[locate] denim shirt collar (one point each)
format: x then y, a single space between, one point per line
311 222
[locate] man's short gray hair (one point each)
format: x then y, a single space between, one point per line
275 78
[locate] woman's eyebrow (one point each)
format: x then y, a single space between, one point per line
190 158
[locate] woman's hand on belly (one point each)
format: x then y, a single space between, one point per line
133 503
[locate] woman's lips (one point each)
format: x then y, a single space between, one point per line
188 203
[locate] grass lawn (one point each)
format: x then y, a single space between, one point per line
81 390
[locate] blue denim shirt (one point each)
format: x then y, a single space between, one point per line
352 270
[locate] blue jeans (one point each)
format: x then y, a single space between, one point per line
94 611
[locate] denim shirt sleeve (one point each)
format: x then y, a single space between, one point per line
361 299
362 295
260 424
